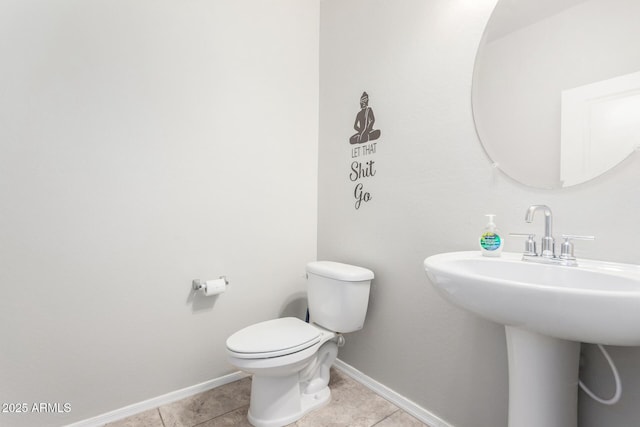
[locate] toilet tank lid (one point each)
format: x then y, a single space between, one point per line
339 271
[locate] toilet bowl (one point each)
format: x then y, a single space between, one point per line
290 369
290 359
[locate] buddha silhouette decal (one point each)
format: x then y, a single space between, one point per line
364 123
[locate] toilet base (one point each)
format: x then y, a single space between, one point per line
278 401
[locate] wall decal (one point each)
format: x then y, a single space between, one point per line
364 123
361 169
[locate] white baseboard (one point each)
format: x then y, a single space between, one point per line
173 396
402 402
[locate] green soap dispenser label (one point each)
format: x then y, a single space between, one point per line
490 241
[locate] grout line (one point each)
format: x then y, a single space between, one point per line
384 418
161 419
221 415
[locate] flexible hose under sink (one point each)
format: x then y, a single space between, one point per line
616 377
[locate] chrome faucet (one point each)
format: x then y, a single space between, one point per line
548 242
548 254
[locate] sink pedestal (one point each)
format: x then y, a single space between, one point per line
543 379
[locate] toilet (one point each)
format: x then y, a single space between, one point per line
290 358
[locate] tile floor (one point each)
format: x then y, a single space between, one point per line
352 405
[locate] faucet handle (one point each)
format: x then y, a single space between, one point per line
566 248
529 244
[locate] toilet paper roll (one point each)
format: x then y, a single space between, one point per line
215 287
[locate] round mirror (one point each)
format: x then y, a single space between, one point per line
556 88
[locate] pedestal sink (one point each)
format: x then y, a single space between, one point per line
547 311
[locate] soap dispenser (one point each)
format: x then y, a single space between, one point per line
491 242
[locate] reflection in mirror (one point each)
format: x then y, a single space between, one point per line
556 88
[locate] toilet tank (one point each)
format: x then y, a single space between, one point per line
338 295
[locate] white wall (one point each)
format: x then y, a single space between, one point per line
144 144
432 187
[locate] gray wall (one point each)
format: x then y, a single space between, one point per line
144 144
432 187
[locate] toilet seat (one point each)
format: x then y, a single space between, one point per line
273 338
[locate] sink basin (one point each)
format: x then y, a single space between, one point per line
595 302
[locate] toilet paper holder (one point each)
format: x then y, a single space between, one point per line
197 284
